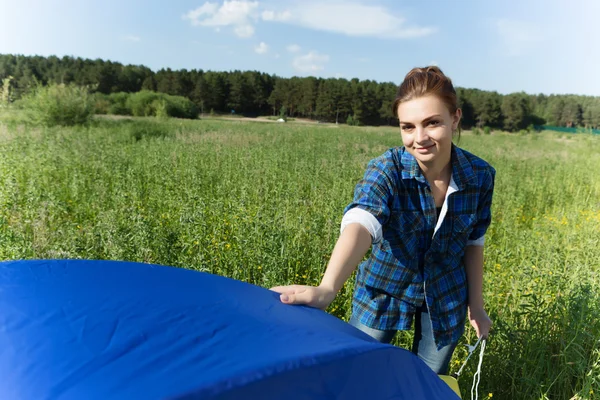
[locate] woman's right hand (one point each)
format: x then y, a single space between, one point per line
314 296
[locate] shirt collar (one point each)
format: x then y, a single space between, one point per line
462 172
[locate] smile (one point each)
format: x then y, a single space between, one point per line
425 148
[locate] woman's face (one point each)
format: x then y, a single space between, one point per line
426 126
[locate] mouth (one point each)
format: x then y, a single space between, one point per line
424 148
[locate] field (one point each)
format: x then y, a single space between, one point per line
262 202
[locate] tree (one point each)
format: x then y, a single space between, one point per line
465 104
573 113
253 92
488 109
516 111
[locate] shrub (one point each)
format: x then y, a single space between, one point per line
101 104
5 92
59 104
487 130
181 107
161 108
146 103
351 121
140 103
118 104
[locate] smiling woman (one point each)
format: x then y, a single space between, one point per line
424 208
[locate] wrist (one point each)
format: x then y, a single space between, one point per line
328 286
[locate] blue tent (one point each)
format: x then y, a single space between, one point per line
79 329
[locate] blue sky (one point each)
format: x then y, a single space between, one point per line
536 46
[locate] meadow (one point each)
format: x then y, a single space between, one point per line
262 203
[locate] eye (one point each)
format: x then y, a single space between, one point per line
406 127
434 123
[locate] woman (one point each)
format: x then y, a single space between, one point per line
424 207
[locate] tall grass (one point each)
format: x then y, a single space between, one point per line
262 203
58 105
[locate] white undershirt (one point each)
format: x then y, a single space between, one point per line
366 219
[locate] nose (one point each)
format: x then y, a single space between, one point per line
421 135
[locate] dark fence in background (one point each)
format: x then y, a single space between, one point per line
567 130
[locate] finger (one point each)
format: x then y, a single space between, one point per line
284 289
484 332
477 330
279 289
297 297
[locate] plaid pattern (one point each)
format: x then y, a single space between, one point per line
411 265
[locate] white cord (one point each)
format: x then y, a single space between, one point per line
471 350
477 375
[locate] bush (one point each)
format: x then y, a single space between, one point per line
487 130
118 104
101 104
146 103
59 104
140 103
181 107
161 109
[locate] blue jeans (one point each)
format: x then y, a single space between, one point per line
423 343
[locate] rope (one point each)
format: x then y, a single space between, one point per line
477 375
471 350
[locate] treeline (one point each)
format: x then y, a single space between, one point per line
254 93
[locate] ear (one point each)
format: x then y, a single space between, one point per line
456 119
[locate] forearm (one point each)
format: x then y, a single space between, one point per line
474 269
351 247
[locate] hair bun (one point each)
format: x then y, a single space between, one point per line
426 70
436 70
422 81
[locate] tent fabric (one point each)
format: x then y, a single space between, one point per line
87 329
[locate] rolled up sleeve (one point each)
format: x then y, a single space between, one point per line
372 195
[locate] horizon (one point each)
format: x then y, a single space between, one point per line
287 77
535 47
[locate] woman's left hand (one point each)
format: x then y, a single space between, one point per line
480 321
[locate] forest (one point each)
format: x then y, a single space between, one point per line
254 93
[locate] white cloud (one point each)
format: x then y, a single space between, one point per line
311 62
517 37
274 16
238 14
293 48
205 9
244 31
262 48
132 38
357 18
351 19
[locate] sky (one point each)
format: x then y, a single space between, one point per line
535 46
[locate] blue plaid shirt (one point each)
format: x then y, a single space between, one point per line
410 264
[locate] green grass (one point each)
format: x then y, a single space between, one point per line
262 202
